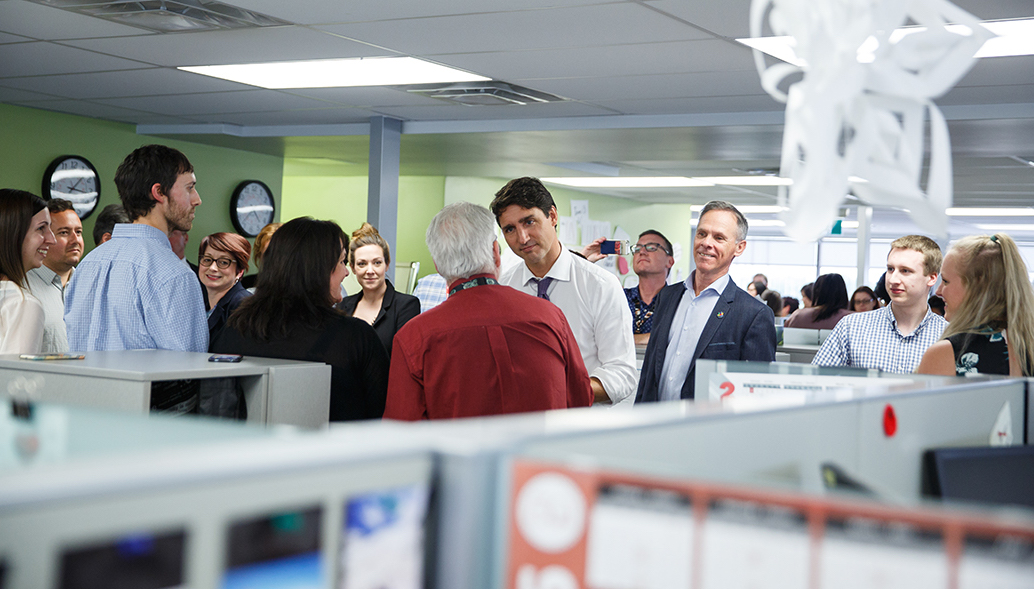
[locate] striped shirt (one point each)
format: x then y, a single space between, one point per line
872 340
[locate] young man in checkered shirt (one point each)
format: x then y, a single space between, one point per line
894 337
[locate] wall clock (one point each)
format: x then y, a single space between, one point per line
251 207
73 178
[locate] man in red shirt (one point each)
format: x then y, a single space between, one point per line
488 349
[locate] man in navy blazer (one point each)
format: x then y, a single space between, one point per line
707 316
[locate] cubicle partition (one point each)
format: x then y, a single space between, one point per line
276 391
174 502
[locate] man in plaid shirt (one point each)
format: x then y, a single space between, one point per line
894 337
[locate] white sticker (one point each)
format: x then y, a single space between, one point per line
550 512
1001 434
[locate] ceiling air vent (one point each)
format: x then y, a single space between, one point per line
484 93
169 16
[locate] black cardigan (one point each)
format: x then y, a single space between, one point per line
396 310
226 305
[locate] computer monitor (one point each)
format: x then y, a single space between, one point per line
1001 475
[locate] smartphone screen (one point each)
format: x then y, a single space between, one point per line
225 358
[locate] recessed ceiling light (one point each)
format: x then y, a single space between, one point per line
849 225
1015 37
988 212
629 182
337 73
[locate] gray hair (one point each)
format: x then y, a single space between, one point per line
721 205
460 239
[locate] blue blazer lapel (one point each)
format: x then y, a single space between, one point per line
721 308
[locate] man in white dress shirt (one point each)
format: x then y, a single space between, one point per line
47 283
591 298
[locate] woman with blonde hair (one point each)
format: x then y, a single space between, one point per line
377 303
990 306
25 237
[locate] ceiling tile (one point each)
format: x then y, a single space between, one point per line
345 12
589 26
143 82
332 116
42 58
1000 70
216 102
1020 93
9 38
99 111
730 18
366 96
706 104
652 86
48 23
9 94
239 46
471 113
616 60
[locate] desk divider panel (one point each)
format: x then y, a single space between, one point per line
569 527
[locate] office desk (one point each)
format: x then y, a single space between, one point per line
276 391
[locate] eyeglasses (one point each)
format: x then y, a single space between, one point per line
863 301
223 263
650 247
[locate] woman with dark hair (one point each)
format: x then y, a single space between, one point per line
808 295
864 299
990 305
292 316
378 303
25 237
830 305
222 259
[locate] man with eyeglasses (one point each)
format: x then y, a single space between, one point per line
652 260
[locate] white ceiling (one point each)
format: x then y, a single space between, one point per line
655 87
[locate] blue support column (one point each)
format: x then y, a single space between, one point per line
382 204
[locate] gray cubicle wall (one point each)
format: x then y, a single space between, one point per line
276 391
785 446
188 476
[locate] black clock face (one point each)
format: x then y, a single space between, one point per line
74 179
252 207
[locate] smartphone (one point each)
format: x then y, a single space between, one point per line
52 356
612 247
225 358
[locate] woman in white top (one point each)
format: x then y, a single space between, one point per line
25 237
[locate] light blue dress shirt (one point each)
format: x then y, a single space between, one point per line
133 293
687 325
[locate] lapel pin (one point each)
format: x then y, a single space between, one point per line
721 314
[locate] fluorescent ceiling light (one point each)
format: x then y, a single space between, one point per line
1015 37
337 73
629 182
765 223
849 225
988 212
1007 227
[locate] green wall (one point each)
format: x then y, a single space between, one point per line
33 138
343 199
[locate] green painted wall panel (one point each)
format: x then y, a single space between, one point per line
32 138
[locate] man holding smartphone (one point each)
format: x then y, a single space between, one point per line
652 260
590 297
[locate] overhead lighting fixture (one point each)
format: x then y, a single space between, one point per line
765 222
337 73
989 212
629 182
746 180
1015 37
169 16
849 225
